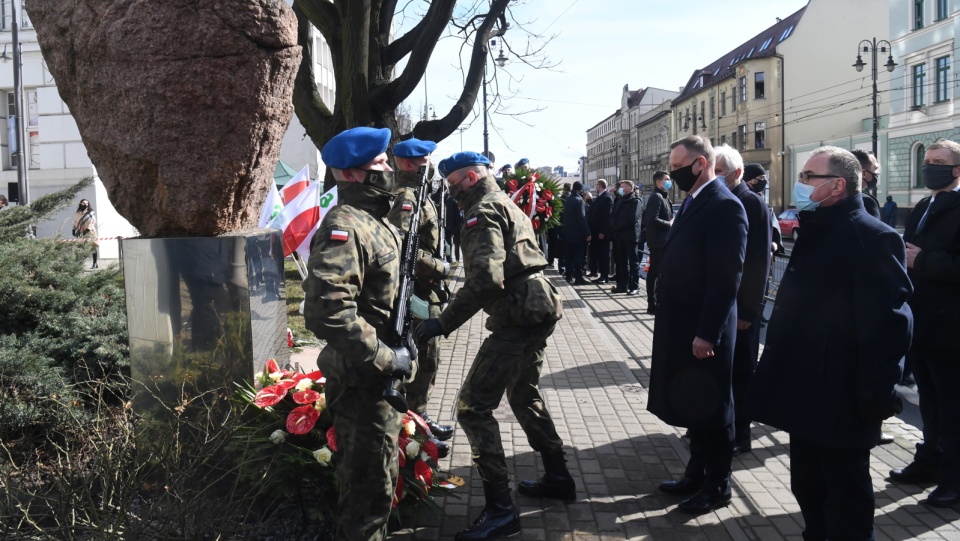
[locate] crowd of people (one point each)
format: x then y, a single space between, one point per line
843 319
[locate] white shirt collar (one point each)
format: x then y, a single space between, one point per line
694 193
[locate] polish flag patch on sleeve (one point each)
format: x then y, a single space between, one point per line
339 235
406 206
472 222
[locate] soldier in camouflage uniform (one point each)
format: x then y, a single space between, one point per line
502 266
350 291
431 272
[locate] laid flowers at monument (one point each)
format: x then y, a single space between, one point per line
537 196
292 432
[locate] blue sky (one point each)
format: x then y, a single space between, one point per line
600 45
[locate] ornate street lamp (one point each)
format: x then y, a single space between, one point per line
873 46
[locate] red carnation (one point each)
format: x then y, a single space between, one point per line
398 494
332 439
302 419
423 473
269 396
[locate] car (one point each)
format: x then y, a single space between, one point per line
789 225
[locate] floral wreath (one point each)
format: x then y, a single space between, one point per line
293 431
535 195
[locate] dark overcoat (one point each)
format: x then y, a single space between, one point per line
575 227
601 215
656 218
697 293
838 330
756 262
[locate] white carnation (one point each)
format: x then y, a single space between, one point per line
304 384
323 456
410 427
278 437
413 449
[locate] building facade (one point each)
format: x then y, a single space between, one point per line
924 35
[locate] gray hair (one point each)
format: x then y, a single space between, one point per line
730 158
843 163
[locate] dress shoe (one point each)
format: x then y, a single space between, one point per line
499 517
443 449
707 499
915 473
651 310
580 282
944 496
685 485
633 292
441 432
601 280
886 437
741 447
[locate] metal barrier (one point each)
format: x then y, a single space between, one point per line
777 269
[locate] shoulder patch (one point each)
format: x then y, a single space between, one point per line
472 222
336 234
406 206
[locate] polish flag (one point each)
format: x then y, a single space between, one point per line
301 218
271 207
296 185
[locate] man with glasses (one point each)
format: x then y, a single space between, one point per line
839 328
871 175
503 277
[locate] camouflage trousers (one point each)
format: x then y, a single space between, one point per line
367 432
509 360
418 390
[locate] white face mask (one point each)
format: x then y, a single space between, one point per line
621 192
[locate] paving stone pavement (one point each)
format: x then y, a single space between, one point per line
594 385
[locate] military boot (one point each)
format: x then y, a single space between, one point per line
556 482
441 432
499 517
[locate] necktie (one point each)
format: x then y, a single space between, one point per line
683 207
923 219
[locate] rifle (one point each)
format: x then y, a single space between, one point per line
407 304
441 287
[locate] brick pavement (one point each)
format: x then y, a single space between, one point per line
593 383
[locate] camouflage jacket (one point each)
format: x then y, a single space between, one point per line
501 262
429 269
351 288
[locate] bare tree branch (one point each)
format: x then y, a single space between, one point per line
323 14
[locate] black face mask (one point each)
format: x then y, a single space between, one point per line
937 176
382 182
759 186
685 177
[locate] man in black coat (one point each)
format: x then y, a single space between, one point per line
657 219
626 231
696 324
839 328
871 174
753 285
932 234
601 218
576 233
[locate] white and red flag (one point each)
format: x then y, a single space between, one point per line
296 185
301 218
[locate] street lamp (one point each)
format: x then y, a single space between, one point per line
501 61
873 46
17 57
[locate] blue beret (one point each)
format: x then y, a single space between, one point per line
413 148
522 162
461 160
355 147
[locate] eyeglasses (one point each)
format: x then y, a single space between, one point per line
804 177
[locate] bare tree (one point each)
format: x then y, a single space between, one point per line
364 61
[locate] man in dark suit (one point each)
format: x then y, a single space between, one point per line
601 217
657 219
932 234
626 231
871 174
576 233
696 324
832 355
753 285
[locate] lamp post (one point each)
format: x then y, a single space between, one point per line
501 61
17 57
873 46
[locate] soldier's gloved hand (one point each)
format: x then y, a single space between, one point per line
403 366
428 329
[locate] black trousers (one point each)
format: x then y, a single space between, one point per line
711 453
938 377
628 266
601 254
575 252
834 490
745 353
656 252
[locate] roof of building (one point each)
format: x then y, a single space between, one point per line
762 45
636 97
